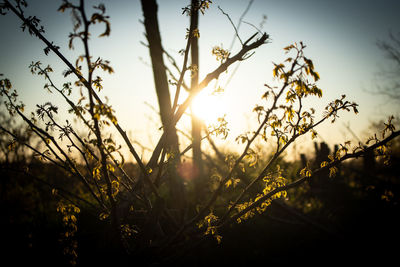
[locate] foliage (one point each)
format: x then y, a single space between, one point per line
69 219
139 205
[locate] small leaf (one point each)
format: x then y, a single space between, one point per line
103 216
228 183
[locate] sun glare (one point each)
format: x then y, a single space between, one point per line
209 107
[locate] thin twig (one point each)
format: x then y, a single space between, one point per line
233 25
240 22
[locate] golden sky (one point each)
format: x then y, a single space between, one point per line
340 37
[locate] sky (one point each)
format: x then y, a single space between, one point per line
340 36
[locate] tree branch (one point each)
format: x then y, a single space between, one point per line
300 181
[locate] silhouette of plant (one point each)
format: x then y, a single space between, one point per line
145 212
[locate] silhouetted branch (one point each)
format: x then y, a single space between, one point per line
300 181
211 76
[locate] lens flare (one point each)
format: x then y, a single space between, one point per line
209 107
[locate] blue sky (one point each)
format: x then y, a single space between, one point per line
340 37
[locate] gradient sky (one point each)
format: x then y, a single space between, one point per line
340 37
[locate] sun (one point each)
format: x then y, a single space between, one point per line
209 107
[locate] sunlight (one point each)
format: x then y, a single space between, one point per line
209 107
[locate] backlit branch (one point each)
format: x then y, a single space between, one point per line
300 181
204 83
87 85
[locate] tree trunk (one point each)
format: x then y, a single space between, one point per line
150 8
196 122
174 181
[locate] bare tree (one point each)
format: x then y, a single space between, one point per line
389 78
